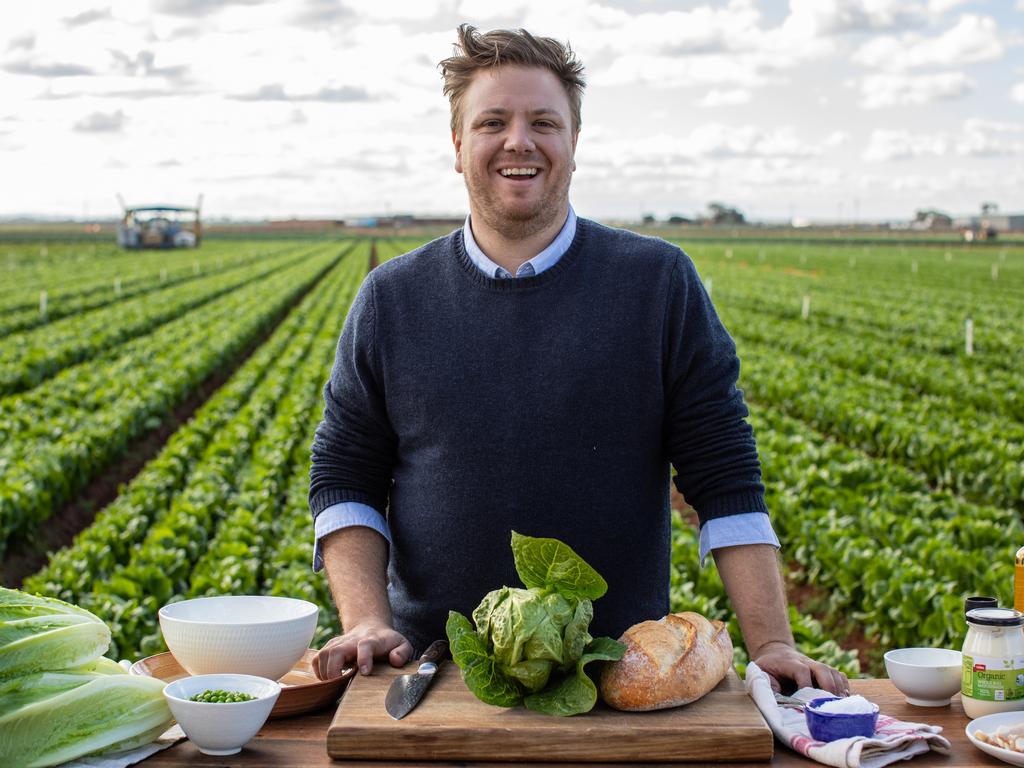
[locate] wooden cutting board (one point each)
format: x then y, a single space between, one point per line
452 724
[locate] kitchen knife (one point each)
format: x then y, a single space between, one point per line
407 690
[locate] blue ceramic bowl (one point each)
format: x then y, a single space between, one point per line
829 726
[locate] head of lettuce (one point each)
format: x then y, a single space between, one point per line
531 645
60 699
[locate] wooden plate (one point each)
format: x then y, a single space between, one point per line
301 690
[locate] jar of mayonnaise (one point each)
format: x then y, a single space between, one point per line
993 658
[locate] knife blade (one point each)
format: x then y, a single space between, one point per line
407 690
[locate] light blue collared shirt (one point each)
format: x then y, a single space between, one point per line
746 528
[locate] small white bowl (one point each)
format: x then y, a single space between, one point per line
221 728
244 634
927 677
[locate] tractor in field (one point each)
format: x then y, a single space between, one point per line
160 226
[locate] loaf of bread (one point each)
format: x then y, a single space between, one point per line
668 663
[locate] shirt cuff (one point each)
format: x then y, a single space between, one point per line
734 530
345 515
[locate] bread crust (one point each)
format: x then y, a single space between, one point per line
669 662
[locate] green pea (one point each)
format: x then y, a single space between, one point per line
221 696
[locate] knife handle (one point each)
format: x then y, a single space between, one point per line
435 652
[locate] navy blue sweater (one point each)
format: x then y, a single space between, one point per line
464 407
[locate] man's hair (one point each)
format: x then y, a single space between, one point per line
477 50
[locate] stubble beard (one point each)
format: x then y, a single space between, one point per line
517 223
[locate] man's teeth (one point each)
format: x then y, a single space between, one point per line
518 171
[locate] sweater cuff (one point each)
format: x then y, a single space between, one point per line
740 503
331 496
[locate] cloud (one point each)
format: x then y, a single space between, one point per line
88 17
34 69
718 98
1017 92
836 139
837 17
973 39
940 7
886 90
978 138
24 43
330 94
192 8
101 122
319 13
144 65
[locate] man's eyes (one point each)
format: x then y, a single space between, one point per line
495 123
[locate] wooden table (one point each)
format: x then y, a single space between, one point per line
300 742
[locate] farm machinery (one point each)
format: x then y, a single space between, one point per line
160 226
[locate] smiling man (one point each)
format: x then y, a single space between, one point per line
537 372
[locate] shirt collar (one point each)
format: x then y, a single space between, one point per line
542 261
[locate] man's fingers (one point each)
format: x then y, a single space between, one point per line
332 659
801 675
365 651
360 648
400 656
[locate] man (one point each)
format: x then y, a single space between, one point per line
533 372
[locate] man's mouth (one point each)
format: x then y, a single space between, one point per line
519 173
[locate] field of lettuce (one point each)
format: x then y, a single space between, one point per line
160 406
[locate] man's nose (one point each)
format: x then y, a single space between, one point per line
518 138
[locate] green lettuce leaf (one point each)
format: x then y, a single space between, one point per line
49 718
40 633
550 565
532 644
577 693
479 670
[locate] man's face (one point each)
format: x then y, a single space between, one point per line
516 118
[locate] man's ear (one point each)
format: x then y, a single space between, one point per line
575 137
458 151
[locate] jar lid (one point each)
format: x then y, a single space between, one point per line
996 617
978 601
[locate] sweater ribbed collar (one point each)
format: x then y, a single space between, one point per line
562 266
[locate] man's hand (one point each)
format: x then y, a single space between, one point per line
361 645
783 662
751 577
356 560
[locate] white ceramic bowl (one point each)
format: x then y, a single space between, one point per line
244 634
223 728
927 677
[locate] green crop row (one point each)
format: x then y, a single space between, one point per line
879 283
74 300
33 356
889 557
118 528
960 380
84 273
189 544
956 447
53 456
869 302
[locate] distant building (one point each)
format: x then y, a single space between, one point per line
305 224
929 219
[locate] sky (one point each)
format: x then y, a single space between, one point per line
827 110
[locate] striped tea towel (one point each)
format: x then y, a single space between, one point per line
894 740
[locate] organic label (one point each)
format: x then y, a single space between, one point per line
993 679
